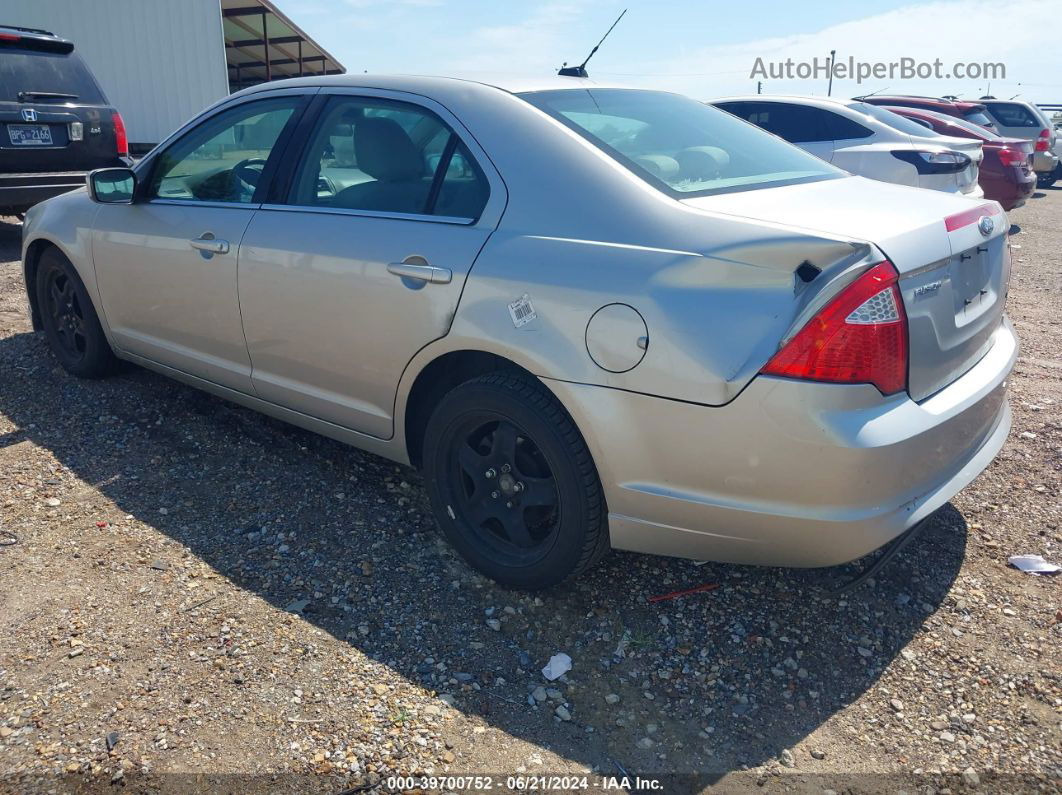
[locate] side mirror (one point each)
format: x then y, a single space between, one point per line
112 185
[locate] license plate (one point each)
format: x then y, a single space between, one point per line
29 134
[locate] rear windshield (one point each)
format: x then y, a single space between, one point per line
978 117
894 120
24 70
1011 114
680 146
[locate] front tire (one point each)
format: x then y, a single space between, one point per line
1046 180
512 483
70 322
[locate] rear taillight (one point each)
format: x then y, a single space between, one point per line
1013 157
120 136
940 162
1043 142
10 37
859 337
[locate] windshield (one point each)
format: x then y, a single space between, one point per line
680 146
894 120
25 70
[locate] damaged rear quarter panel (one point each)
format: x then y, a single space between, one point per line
716 307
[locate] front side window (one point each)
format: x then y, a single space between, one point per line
222 159
376 155
680 146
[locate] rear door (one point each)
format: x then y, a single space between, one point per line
361 262
799 124
53 115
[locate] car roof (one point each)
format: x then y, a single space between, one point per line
880 99
798 98
415 83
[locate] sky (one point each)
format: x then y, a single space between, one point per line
703 48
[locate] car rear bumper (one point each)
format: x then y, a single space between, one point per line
25 190
789 473
1044 162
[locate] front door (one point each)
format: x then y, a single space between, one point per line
166 264
363 263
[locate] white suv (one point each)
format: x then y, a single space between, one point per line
866 140
1016 118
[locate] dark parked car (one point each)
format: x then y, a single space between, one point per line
55 122
970 111
1006 173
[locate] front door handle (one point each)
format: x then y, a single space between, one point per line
210 243
421 273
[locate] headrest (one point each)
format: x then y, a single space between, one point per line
385 151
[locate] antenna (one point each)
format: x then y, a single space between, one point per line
580 70
872 93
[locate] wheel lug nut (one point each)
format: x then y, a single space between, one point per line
490 473
506 468
518 486
508 505
494 494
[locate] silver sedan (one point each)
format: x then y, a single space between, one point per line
593 316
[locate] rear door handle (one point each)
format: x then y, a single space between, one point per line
421 273
211 244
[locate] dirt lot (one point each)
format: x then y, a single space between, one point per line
201 598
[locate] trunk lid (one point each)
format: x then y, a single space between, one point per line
953 276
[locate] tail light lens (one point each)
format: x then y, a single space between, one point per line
859 337
1043 142
941 162
120 135
1013 157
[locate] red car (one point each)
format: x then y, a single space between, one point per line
969 111
1006 171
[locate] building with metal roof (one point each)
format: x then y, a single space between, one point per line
160 62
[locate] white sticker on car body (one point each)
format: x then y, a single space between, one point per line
522 311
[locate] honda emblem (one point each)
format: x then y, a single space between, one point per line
29 114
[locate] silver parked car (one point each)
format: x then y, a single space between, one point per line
593 316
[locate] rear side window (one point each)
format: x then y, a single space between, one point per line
1011 114
28 75
382 156
841 128
795 123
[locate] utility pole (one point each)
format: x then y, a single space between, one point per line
829 88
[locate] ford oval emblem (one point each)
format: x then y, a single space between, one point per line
986 225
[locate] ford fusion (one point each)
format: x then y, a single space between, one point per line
593 317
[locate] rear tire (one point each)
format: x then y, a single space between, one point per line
70 322
1046 180
512 483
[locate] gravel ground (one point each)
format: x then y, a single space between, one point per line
203 598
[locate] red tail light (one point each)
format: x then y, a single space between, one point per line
120 135
10 37
859 337
1013 157
1043 143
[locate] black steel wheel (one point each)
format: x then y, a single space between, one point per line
512 483
70 322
